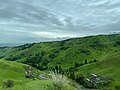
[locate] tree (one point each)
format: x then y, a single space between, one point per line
94 60
77 65
80 79
91 61
86 61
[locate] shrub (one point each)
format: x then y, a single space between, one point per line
117 87
8 83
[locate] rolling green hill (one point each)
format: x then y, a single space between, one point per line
15 71
93 54
109 66
64 53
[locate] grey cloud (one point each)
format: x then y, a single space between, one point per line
21 19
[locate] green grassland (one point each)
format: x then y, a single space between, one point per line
109 66
15 71
105 49
64 53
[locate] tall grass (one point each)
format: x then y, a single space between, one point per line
60 81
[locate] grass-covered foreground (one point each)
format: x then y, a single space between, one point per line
15 71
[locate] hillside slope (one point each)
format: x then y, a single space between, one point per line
94 54
109 66
10 70
64 53
16 72
13 71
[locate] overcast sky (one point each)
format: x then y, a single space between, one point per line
24 21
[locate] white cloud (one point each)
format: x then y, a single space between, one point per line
47 34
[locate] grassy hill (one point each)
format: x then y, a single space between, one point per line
93 54
15 71
109 66
64 53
